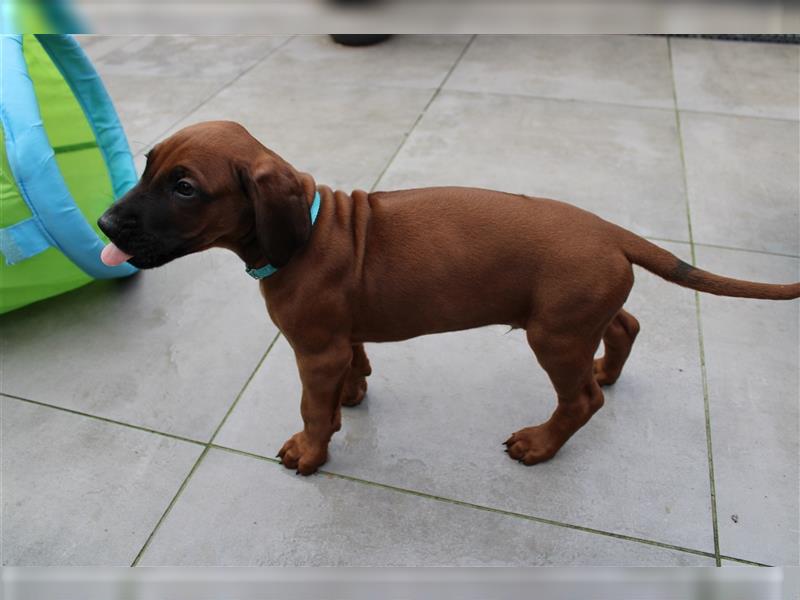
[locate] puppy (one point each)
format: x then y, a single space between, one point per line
337 270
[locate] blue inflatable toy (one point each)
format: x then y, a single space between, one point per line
64 159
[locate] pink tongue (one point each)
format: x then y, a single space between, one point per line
113 256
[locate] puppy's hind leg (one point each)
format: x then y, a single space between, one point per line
564 332
617 341
567 358
355 385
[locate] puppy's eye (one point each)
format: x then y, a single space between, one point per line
184 188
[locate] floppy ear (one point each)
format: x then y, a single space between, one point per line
281 213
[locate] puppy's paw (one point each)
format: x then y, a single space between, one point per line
354 392
602 377
533 445
302 454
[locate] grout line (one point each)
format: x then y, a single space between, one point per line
701 345
211 96
697 111
422 113
707 412
481 507
183 485
618 104
244 387
98 60
203 454
654 238
752 251
104 419
744 561
523 95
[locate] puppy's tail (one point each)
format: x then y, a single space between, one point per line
664 264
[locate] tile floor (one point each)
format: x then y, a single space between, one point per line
148 437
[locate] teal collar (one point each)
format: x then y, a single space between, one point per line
268 269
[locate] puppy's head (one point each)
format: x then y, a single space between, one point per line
210 184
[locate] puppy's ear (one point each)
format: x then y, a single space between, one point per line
281 213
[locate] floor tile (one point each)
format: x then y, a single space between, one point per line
78 491
760 80
752 357
154 81
219 57
168 349
621 163
239 510
439 408
417 61
744 181
631 70
147 106
98 46
343 137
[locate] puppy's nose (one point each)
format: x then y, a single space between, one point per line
108 223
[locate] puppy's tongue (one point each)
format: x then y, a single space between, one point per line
113 256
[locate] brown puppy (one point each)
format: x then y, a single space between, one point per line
393 265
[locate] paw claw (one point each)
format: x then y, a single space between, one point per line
302 454
533 445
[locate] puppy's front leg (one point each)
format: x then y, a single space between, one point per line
323 376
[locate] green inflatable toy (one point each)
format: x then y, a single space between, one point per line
64 159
